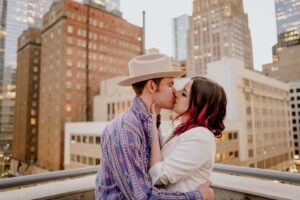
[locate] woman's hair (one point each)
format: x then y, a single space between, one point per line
207 107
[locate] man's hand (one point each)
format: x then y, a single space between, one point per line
206 191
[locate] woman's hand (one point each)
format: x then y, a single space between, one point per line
154 114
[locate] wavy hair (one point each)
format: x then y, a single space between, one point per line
207 107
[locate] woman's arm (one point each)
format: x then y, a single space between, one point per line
196 150
156 155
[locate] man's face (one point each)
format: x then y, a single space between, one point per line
164 97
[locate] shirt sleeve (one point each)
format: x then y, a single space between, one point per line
192 152
130 171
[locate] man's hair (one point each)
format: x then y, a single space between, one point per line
139 87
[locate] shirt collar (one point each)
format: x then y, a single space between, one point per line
140 107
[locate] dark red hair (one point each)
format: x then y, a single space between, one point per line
207 107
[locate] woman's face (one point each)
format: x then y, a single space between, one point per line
182 98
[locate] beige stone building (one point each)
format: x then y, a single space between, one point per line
259 107
218 28
81 45
25 137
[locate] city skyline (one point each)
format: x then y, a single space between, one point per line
261 16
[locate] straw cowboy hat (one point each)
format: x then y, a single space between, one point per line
147 67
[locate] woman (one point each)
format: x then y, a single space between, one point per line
187 157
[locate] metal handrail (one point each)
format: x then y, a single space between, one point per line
48 176
71 173
286 177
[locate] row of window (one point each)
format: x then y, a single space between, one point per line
102 39
261 86
85 139
268 163
229 136
295 90
108 24
220 157
294 98
85 159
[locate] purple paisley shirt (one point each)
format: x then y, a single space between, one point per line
126 150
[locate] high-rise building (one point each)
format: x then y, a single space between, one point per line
25 137
180 26
259 108
81 45
218 28
3 6
21 14
109 5
7 100
287 16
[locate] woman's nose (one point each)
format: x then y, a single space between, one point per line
176 93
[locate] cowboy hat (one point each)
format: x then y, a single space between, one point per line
151 66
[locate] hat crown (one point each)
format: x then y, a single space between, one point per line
149 64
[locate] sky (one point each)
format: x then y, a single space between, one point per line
159 15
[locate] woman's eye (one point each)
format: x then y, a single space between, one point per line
183 94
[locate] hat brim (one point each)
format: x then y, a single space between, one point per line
133 80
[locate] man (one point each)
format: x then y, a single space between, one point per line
126 141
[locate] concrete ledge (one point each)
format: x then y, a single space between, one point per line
226 187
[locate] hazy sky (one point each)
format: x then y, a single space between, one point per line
159 13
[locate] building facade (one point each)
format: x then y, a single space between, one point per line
259 106
180 26
25 137
218 28
81 45
3 6
295 106
20 15
287 16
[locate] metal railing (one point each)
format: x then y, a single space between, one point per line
72 173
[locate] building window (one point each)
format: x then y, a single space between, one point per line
73 139
78 138
91 161
68 96
250 153
73 157
78 158
84 139
98 140
97 161
296 144
84 159
68 84
236 154
235 135
295 136
229 136
68 108
292 98
291 90
91 139
70 29
32 121
298 90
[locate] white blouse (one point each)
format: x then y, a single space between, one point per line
188 161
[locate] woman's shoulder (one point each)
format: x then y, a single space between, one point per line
200 133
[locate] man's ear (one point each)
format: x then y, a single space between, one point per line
151 86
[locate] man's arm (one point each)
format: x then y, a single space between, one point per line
129 169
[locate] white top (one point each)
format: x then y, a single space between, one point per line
188 161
